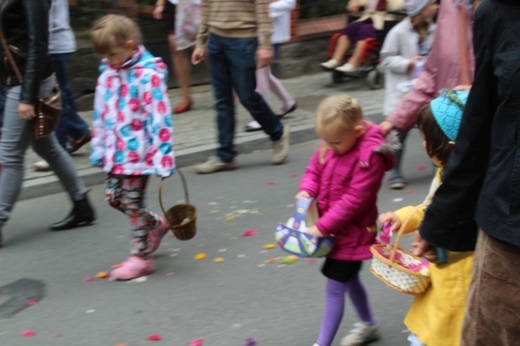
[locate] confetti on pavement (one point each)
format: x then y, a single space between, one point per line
421 168
200 256
154 337
90 311
102 275
270 183
288 259
218 260
249 233
269 246
397 199
88 279
28 333
197 342
410 192
251 342
31 302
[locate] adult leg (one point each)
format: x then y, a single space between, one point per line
220 72
16 136
333 313
182 67
241 53
288 102
493 303
71 125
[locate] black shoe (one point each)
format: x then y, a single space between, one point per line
81 214
290 110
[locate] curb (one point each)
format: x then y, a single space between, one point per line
94 176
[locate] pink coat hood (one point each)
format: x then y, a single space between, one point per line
345 187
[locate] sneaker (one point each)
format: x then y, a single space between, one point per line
214 164
347 68
396 183
132 268
362 334
77 143
41 166
281 146
155 236
329 65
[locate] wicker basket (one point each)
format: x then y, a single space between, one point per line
394 274
181 217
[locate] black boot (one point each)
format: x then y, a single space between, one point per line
81 214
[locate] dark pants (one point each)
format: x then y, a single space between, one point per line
232 63
493 301
71 125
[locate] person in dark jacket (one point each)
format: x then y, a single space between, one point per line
481 186
25 29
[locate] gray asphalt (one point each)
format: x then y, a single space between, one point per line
223 303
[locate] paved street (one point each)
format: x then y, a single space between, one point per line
223 303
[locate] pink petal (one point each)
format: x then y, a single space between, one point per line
32 302
421 168
197 342
28 333
270 182
87 279
154 337
249 233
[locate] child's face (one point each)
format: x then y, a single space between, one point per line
117 55
339 139
430 10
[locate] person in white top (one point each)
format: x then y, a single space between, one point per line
280 14
166 9
405 46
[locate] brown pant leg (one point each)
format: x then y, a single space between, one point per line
493 312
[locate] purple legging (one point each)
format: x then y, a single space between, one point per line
335 305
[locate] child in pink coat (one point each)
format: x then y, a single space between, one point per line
344 176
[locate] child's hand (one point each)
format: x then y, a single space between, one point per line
314 231
422 248
302 194
393 218
413 60
198 55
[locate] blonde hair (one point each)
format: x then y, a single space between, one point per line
339 107
114 30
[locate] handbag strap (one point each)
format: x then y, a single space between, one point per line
10 56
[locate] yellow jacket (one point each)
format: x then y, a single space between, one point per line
436 316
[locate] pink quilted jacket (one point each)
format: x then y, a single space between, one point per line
345 187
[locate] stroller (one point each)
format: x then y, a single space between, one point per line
370 56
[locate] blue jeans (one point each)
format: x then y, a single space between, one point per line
3 96
232 63
71 125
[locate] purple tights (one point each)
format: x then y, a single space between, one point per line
335 305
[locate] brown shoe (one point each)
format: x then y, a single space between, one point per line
76 144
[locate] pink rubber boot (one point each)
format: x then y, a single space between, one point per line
155 236
132 268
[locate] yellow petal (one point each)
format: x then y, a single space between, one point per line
102 275
200 256
218 260
269 246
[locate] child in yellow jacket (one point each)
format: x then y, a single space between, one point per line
435 318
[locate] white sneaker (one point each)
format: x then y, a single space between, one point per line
281 146
329 65
347 68
41 166
362 334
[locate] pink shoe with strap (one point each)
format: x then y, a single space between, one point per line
155 236
132 268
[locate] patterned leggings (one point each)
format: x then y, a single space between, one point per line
126 193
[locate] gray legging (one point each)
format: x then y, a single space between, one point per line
17 134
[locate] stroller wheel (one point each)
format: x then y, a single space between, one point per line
376 79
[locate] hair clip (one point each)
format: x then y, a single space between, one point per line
452 96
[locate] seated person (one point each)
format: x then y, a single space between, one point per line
357 32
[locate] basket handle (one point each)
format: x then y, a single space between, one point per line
401 230
184 185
